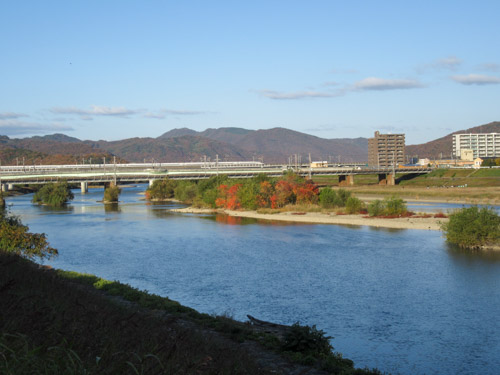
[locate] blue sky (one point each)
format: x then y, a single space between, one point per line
335 69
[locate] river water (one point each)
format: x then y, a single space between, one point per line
399 300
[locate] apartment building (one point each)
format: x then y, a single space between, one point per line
386 150
485 145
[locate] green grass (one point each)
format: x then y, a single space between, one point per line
491 172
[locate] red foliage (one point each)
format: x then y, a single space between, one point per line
440 215
306 192
284 193
228 197
265 194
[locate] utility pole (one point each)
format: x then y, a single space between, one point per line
114 162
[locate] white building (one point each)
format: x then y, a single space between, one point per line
485 145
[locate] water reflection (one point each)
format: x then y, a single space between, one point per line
66 209
487 255
112 208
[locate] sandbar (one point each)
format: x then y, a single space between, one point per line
422 223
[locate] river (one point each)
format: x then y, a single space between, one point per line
399 300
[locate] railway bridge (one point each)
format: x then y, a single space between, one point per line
106 174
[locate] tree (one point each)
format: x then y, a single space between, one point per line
15 238
353 205
473 228
111 194
54 194
161 189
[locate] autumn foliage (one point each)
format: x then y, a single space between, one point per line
267 194
227 197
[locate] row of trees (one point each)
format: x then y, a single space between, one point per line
264 192
257 192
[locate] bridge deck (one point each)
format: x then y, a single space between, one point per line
127 173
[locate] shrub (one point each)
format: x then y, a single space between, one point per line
54 194
343 195
306 340
388 207
376 208
186 191
111 194
353 205
328 198
161 189
395 206
473 228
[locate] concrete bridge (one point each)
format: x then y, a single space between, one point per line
148 172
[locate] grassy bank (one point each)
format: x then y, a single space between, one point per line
56 322
447 185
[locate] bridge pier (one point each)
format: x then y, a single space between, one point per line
5 187
151 182
386 179
84 186
346 180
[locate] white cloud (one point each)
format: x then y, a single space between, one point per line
296 95
381 84
14 127
489 67
447 63
95 111
11 115
451 62
476 79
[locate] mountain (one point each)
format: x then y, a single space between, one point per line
177 133
182 145
178 149
51 149
57 137
444 146
277 144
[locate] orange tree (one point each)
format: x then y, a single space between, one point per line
227 197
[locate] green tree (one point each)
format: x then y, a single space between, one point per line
473 228
15 238
376 208
161 189
111 194
328 198
53 194
395 206
353 205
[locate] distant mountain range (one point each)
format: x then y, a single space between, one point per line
272 145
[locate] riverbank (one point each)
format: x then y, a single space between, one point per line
64 322
422 223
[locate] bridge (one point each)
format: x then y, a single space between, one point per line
106 174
